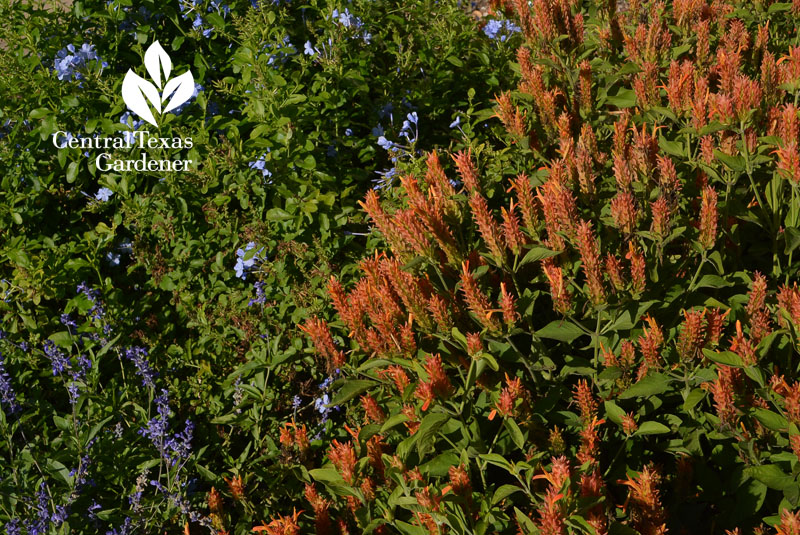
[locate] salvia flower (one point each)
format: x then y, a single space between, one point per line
645 500
138 355
7 395
476 300
587 246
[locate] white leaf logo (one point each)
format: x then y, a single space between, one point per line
140 95
181 88
154 58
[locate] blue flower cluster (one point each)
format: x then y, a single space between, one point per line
60 364
321 404
8 398
97 312
261 165
70 61
279 51
260 297
173 447
500 29
351 22
41 522
199 23
245 262
409 130
138 355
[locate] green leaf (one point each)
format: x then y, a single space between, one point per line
726 358
770 475
771 420
393 421
736 163
496 459
428 428
72 172
791 235
525 523
440 465
351 389
614 412
562 330
648 386
536 254
326 475
503 492
693 398
62 423
652 428
674 148
515 432
278 214
712 281
625 98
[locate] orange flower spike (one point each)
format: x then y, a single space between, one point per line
214 501
708 218
236 486
508 305
343 458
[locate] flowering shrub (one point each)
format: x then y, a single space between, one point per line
594 330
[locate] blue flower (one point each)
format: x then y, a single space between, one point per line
58 361
385 143
103 194
241 264
260 297
309 50
321 402
455 123
348 132
12 527
138 355
7 395
387 177
69 61
113 258
500 28
261 165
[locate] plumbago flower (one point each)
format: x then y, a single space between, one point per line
352 23
500 29
245 259
70 62
396 151
261 165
